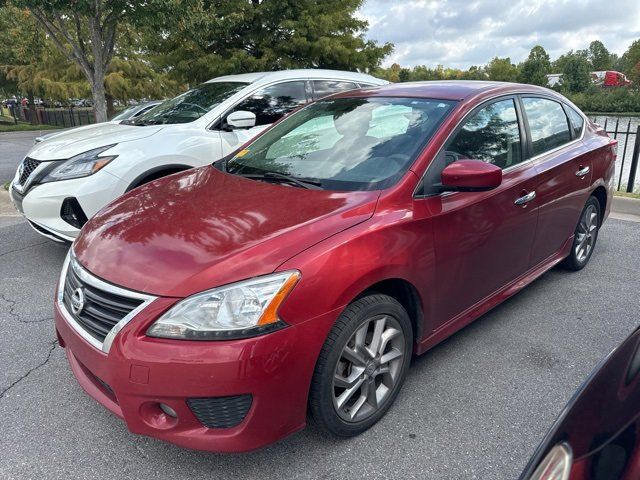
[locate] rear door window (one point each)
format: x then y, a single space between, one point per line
548 124
322 88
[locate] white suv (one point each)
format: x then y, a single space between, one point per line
67 178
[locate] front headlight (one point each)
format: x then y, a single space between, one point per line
82 165
238 310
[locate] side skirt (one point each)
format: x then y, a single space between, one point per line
483 306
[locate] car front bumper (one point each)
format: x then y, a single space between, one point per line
42 204
139 373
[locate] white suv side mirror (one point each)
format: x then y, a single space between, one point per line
241 119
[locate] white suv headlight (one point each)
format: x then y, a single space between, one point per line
81 165
238 310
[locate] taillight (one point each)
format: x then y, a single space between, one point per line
556 465
613 145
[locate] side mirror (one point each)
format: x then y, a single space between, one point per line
470 176
241 119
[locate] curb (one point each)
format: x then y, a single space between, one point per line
6 207
625 208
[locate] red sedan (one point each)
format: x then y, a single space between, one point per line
219 307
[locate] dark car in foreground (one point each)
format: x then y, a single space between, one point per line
597 435
218 308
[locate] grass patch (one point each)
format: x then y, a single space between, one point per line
25 127
626 194
6 185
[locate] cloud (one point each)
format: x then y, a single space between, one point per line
461 33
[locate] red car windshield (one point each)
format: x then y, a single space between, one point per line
345 143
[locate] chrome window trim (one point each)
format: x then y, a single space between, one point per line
528 161
88 278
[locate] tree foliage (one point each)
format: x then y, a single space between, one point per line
502 70
535 68
214 37
85 32
599 57
576 73
631 62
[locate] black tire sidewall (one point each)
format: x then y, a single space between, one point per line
321 395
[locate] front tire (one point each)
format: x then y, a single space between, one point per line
585 236
361 366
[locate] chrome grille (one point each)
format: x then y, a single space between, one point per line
97 310
28 166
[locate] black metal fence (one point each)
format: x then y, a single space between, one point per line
627 131
63 117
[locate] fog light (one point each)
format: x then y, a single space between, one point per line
72 213
168 410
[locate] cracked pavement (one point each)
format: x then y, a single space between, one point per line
476 406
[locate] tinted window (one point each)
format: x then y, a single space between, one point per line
548 124
490 135
323 88
272 103
190 105
577 122
345 143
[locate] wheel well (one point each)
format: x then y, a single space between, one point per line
601 195
157 173
407 295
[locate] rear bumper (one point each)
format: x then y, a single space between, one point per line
140 372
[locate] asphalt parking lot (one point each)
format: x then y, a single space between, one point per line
13 147
476 406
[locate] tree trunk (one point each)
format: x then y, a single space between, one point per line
33 119
111 109
99 98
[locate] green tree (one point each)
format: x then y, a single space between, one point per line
599 57
576 74
213 37
535 68
631 62
502 70
21 44
559 64
85 32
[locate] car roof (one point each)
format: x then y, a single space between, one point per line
264 77
445 90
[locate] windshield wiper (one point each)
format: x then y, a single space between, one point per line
301 182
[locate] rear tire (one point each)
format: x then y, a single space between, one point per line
585 236
361 366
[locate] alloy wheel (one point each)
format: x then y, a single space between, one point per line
369 368
586 233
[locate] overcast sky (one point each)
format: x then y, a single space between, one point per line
461 33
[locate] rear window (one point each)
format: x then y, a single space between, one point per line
548 124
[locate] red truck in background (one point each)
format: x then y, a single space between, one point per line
605 78
610 78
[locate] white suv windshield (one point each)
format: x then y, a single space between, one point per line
344 143
190 105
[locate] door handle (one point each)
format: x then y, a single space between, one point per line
582 172
525 198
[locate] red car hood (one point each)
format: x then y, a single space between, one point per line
203 228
